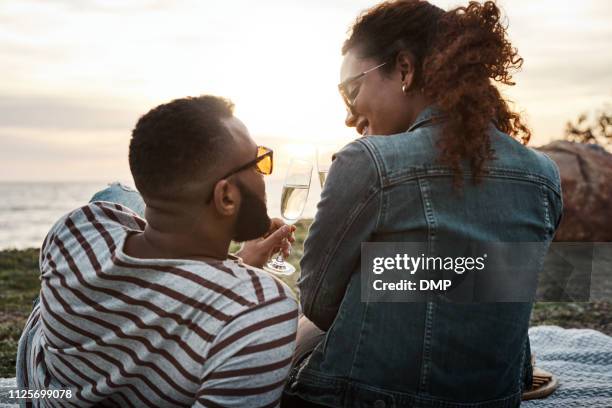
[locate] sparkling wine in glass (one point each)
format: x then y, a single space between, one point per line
324 159
293 201
322 177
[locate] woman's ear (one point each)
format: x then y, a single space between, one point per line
404 63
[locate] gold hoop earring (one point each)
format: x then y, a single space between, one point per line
404 88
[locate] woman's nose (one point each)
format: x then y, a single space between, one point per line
351 118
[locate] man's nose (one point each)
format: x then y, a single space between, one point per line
351 118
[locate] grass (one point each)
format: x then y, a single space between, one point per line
19 285
574 315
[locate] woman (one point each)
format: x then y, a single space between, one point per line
442 159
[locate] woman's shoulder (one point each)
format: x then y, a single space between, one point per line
413 148
513 155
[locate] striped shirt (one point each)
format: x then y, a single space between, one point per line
129 332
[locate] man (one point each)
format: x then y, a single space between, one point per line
154 312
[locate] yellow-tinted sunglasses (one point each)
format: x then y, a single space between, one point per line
263 162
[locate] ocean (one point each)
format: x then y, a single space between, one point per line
29 209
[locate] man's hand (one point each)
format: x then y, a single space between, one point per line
258 251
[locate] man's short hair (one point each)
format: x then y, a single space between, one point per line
178 141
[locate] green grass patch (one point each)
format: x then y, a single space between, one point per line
574 315
19 285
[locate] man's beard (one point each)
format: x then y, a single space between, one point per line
252 221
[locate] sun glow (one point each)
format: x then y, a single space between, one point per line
92 67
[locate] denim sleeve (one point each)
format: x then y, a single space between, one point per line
556 195
559 203
121 194
347 215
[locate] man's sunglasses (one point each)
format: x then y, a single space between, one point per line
263 163
349 96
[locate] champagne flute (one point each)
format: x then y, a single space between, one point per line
324 159
293 201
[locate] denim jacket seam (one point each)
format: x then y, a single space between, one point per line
495 170
502 172
430 218
352 216
545 204
487 168
356 348
430 215
426 172
380 169
330 254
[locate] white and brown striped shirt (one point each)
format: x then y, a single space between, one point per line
128 332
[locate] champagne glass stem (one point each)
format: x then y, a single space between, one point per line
280 258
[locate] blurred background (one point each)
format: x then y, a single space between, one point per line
76 75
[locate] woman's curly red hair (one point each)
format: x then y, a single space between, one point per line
459 55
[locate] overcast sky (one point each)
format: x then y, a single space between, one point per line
76 75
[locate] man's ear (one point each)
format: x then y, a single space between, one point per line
405 64
226 198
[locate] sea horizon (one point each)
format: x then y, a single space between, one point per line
28 209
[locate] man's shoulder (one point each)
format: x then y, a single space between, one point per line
100 212
228 288
240 291
254 283
94 218
111 213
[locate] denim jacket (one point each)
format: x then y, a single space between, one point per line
427 354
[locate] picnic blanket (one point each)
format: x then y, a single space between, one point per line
582 359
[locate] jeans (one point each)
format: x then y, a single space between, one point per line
121 194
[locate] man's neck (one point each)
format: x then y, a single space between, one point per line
175 230
155 244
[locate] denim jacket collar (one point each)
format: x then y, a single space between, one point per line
427 115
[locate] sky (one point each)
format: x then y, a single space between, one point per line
76 75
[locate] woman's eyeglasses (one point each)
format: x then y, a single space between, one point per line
349 96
